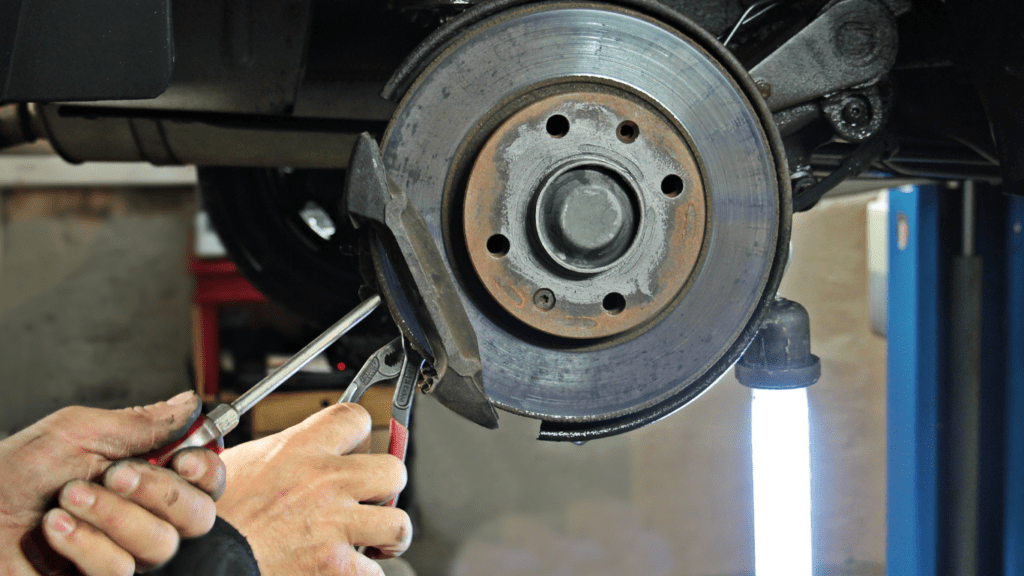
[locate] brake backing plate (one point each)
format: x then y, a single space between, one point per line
604 187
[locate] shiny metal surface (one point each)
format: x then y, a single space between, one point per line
433 133
224 417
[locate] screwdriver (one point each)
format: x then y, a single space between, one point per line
208 431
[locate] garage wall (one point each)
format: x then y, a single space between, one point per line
94 298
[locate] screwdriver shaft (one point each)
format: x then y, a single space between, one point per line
285 371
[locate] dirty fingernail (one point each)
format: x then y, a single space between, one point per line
60 521
80 496
181 398
124 480
191 466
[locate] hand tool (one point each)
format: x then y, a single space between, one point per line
383 366
208 431
399 363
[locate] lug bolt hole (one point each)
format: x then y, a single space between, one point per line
627 131
672 186
614 303
544 299
498 245
558 126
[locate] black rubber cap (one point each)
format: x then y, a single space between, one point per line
780 356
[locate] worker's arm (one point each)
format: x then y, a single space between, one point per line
71 473
306 497
300 501
221 552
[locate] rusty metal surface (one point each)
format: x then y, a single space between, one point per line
697 337
619 284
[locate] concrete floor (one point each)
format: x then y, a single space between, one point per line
94 309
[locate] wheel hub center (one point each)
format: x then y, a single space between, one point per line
584 213
586 218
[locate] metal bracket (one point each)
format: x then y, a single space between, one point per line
852 43
420 293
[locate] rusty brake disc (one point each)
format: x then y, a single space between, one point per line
604 188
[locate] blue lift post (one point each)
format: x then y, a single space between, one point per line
934 526
1013 488
913 382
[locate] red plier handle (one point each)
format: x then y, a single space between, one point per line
396 362
401 404
202 434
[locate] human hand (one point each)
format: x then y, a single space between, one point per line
305 497
115 516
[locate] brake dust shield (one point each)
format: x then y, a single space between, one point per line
606 194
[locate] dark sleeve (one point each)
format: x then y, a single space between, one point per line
221 552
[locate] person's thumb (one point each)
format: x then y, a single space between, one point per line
117 434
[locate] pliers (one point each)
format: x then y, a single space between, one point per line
397 362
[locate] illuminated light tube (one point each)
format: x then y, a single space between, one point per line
780 442
778 366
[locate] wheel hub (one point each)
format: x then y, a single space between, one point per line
606 192
585 218
593 199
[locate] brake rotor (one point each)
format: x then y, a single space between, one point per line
606 195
